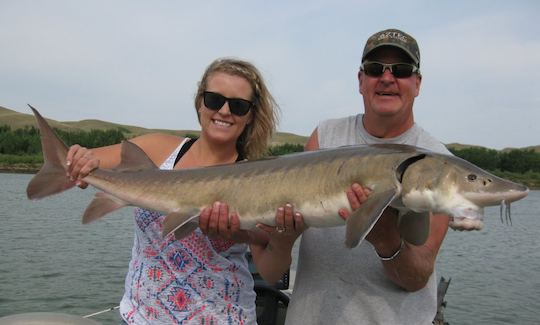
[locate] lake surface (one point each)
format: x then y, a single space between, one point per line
50 262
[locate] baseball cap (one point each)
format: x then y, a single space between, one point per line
396 38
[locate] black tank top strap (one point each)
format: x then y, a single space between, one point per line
188 145
240 157
184 149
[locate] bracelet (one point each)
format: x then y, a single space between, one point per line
393 255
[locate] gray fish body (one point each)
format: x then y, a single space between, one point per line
414 181
313 182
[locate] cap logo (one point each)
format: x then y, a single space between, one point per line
395 38
395 35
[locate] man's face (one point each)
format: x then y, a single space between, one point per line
387 95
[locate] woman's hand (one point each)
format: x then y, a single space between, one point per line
274 258
80 162
216 223
289 225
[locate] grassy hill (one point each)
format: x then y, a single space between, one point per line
18 120
460 146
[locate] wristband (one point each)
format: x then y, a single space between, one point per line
393 255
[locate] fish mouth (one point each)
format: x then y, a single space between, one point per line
465 224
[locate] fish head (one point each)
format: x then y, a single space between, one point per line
481 187
453 186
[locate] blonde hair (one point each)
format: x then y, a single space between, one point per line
253 141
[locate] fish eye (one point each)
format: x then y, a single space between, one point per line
471 177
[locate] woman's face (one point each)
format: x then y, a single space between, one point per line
222 126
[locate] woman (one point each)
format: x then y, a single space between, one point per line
202 279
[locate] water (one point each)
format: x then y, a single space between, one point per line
50 262
495 272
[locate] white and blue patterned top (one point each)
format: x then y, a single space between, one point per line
195 280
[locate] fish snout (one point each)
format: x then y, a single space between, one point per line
516 195
484 199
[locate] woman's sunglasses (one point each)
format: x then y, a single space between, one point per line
399 70
237 106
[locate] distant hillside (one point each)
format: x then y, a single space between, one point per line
18 120
460 146
534 148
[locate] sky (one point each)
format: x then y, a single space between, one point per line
138 62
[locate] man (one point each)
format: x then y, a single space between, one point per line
385 280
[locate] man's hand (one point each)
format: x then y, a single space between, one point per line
357 195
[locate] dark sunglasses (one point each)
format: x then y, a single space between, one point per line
237 106
399 70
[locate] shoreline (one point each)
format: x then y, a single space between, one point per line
14 170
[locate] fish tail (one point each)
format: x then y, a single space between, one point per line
51 178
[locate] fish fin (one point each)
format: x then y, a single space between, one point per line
182 224
51 178
360 222
185 230
414 227
101 205
133 158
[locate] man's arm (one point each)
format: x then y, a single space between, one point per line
411 268
413 265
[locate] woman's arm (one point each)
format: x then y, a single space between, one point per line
81 160
274 258
271 247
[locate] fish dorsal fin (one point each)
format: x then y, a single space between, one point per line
361 221
414 227
101 205
133 158
182 224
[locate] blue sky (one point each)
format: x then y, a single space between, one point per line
137 62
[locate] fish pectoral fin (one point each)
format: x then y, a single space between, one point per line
360 222
101 205
414 227
182 224
185 230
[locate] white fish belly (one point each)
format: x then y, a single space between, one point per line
319 214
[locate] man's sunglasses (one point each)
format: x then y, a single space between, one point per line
237 106
399 70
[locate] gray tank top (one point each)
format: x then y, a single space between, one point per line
335 285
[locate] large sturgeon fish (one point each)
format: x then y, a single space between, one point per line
413 180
